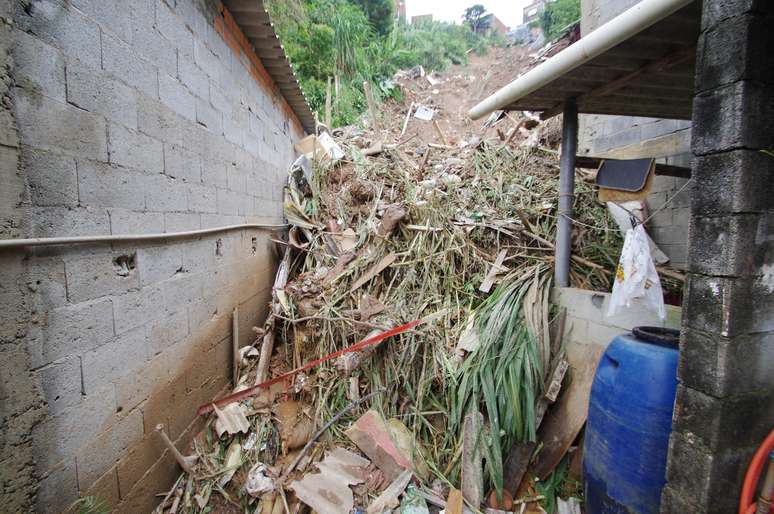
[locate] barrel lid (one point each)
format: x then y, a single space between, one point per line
668 337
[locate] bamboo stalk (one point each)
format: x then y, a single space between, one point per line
328 105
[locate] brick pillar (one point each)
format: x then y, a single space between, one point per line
725 400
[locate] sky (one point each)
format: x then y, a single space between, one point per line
509 11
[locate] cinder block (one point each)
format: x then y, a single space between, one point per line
139 460
47 280
674 503
193 77
51 177
214 174
212 365
120 357
727 245
174 28
166 194
40 121
703 478
58 438
176 96
209 117
105 489
220 101
157 263
98 275
157 409
104 451
716 12
65 221
183 288
135 150
726 306
150 44
123 221
157 121
138 308
181 221
182 164
96 91
104 185
142 496
205 59
721 367
131 390
168 331
57 489
733 117
61 383
200 256
112 15
39 67
72 330
733 50
733 182
228 202
64 28
657 128
121 60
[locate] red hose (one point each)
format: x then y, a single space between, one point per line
747 500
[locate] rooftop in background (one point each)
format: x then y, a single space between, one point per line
646 73
253 20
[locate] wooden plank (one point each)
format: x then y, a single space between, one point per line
235 346
488 282
246 6
472 459
566 419
454 502
374 270
270 52
516 465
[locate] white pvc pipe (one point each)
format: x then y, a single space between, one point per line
605 37
6 244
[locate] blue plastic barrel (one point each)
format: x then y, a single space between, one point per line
629 422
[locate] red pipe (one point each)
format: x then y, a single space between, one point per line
747 499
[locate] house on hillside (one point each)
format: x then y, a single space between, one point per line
421 18
152 139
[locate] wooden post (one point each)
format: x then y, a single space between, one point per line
371 105
235 346
472 459
328 105
566 193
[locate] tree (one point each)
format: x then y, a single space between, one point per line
380 13
557 15
475 18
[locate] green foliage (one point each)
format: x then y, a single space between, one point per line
340 38
557 15
558 485
380 13
474 17
92 505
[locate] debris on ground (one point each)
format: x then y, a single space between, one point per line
410 350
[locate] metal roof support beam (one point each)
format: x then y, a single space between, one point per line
563 249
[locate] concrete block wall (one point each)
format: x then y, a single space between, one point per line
131 116
725 399
588 323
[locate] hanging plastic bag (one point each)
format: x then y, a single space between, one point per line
636 277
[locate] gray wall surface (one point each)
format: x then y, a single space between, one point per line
125 117
625 137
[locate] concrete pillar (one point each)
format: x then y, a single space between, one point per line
725 399
563 250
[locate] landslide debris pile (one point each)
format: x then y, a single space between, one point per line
451 227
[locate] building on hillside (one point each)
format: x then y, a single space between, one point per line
421 18
532 11
498 26
136 123
400 9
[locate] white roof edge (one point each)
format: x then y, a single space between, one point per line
605 37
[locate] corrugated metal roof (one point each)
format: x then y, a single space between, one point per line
253 20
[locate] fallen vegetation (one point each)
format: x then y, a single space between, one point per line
411 344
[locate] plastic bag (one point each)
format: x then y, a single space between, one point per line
636 277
